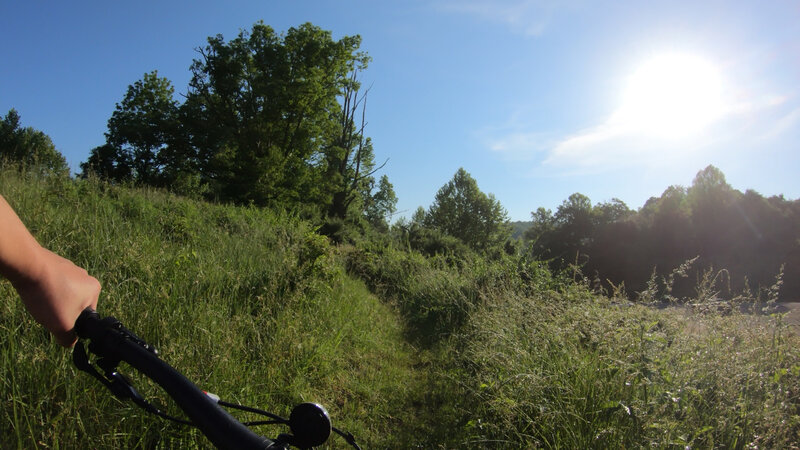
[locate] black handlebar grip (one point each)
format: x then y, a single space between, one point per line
222 429
88 324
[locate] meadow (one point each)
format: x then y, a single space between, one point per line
405 350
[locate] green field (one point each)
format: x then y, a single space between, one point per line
405 351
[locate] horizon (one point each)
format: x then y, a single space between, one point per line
535 100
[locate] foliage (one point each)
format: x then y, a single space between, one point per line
28 147
250 304
461 210
447 352
268 119
261 104
750 236
436 289
348 154
139 132
382 205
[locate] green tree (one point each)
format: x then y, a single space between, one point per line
141 134
28 147
108 162
541 231
261 107
575 213
711 201
461 210
749 236
575 227
611 211
382 204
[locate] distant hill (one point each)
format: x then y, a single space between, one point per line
519 228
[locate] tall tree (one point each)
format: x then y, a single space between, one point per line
261 106
611 211
141 136
108 162
710 200
540 232
461 210
29 147
349 156
574 227
382 204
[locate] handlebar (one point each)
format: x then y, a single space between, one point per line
113 343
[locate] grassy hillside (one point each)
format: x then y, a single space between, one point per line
404 350
251 305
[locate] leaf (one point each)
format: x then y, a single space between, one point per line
610 404
704 430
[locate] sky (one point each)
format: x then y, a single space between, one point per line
536 99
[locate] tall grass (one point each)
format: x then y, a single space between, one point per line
249 304
524 359
406 351
578 371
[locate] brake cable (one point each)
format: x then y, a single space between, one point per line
308 421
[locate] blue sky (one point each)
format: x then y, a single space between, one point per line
526 95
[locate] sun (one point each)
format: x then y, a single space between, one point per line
671 96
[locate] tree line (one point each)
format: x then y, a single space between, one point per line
272 120
279 120
28 147
741 239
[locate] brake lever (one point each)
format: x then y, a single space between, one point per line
119 385
81 361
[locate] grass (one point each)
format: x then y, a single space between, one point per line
583 372
405 351
249 304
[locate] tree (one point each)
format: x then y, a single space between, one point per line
268 119
108 162
745 234
262 106
141 133
461 210
30 148
575 226
349 156
611 211
541 231
710 200
382 204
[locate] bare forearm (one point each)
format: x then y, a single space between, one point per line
53 289
19 252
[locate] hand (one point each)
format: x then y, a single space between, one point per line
57 294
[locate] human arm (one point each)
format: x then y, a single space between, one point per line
53 289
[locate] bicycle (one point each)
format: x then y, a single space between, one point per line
112 343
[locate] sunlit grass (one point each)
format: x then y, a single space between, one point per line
247 303
405 351
589 373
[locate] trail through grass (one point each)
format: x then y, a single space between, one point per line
249 304
405 351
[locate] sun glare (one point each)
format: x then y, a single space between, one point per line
671 96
